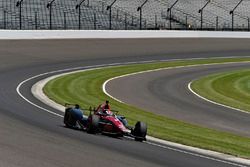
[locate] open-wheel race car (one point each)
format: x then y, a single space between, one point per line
104 121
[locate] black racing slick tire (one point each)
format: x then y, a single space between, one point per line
93 125
66 118
69 120
140 131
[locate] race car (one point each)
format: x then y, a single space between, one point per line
105 122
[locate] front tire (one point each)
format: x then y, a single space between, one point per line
140 131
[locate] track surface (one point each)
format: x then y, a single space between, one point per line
30 136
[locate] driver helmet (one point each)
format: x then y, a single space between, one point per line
77 106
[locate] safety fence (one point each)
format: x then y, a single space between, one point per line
124 14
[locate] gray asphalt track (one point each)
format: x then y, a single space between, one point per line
32 137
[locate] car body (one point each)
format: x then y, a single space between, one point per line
106 122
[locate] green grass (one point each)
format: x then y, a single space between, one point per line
85 88
228 88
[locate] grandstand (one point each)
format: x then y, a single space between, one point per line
35 14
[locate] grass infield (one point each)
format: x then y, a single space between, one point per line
85 88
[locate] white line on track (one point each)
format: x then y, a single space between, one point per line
78 69
169 68
65 71
210 101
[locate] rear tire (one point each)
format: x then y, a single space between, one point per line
67 118
140 131
92 126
